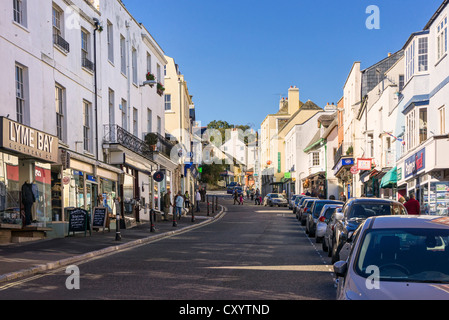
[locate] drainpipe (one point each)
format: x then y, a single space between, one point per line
97 27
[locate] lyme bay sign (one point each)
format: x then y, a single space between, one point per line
27 141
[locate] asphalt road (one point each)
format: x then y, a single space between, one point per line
252 253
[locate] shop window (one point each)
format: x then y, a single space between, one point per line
9 190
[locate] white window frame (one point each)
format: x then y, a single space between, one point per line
20 12
441 38
123 55
60 111
167 101
87 124
442 121
422 54
110 38
20 74
134 66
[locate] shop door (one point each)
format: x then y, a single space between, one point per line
91 196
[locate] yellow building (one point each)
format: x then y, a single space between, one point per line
179 121
274 128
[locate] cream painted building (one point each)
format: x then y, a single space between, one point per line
179 122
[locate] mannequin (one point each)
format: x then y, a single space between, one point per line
28 199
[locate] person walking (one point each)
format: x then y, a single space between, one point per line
412 206
257 200
236 196
179 204
197 200
241 199
187 200
167 204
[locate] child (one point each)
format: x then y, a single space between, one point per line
241 199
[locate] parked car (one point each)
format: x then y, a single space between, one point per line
239 190
299 203
291 203
304 210
230 187
314 213
323 219
275 199
355 211
329 234
397 258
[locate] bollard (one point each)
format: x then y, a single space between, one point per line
213 205
193 215
118 236
216 203
152 218
207 205
175 224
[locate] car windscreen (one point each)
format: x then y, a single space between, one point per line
318 206
411 255
329 212
303 201
363 210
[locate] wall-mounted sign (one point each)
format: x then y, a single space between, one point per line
24 140
415 163
343 162
158 176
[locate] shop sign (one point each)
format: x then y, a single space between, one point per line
364 164
415 163
343 162
28 141
158 176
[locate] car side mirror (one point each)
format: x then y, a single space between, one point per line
339 215
340 268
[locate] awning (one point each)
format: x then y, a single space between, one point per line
390 179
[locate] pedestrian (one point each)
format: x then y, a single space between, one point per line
257 200
241 199
167 204
197 200
187 200
412 205
236 196
179 204
402 200
331 197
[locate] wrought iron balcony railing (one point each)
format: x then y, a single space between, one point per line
88 64
113 134
60 42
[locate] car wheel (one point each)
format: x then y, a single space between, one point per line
325 248
335 255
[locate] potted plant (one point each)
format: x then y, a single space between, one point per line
151 140
150 76
160 89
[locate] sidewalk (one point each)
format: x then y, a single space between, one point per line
25 259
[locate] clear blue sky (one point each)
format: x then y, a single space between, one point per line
239 56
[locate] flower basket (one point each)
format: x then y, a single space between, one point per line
160 89
150 76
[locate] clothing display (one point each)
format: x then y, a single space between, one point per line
28 199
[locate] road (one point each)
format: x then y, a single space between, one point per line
251 253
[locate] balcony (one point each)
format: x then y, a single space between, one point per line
61 43
346 149
114 134
89 65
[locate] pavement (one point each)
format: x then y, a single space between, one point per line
19 260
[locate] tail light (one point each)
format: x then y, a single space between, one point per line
322 219
305 210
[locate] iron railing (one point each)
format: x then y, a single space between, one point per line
114 134
60 42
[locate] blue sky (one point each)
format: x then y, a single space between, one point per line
240 56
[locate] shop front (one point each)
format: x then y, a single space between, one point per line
26 156
426 174
342 171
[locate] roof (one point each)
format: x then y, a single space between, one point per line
410 221
309 105
436 14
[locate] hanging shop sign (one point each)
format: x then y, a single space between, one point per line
364 164
24 140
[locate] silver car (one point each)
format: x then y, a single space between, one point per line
323 219
396 257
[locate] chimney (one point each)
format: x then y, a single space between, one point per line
281 103
293 100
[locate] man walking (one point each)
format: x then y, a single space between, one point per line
197 200
179 204
412 205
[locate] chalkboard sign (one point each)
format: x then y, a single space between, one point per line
99 217
78 221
